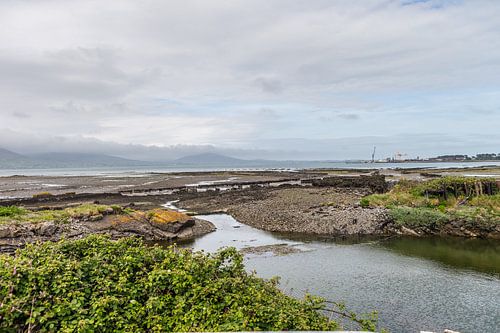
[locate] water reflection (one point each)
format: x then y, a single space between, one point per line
476 254
415 283
233 233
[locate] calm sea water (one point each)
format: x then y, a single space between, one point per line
279 165
414 283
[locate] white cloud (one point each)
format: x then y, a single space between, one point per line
199 72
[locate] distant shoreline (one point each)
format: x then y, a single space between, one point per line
285 166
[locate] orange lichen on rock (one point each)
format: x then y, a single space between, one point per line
167 216
128 218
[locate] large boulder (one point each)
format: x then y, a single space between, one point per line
170 221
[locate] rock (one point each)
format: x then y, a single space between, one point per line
170 221
94 218
469 233
47 229
5 231
409 232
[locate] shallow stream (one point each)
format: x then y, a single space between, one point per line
414 283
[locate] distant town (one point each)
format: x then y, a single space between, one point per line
400 157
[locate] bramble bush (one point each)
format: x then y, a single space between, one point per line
96 284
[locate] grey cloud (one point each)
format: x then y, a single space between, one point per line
269 85
21 115
96 70
84 74
348 116
356 147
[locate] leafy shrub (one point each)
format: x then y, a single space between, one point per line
418 217
95 284
10 211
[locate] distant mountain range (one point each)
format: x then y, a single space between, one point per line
211 159
12 160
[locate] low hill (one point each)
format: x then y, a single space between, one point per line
11 160
210 158
7 155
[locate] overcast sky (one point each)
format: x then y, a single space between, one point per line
284 79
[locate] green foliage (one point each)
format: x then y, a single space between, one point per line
418 217
95 284
419 204
456 185
396 198
11 211
36 217
128 210
483 217
487 201
364 202
15 214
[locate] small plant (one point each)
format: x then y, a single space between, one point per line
10 211
128 210
364 202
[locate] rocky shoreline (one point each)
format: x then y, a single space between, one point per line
314 203
313 211
324 211
110 222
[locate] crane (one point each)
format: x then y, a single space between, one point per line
373 154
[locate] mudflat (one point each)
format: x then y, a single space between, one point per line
309 202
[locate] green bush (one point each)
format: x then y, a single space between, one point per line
10 211
418 217
96 284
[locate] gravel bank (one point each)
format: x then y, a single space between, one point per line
320 211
